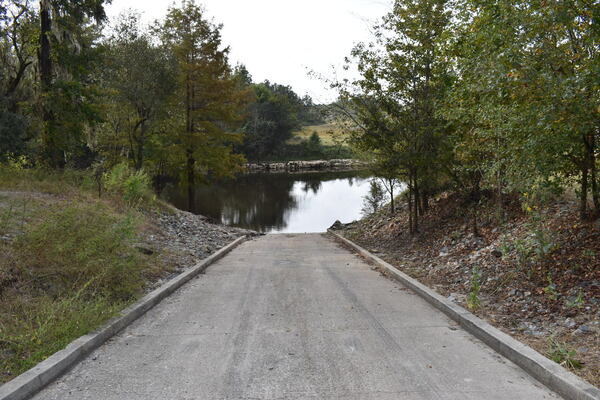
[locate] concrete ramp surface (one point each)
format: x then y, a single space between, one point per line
294 317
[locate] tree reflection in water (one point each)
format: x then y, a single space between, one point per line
262 202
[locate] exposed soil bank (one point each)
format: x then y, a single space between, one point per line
551 303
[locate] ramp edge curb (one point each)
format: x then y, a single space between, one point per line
32 381
549 373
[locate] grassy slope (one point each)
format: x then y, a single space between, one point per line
68 262
329 134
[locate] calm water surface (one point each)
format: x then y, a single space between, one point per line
281 202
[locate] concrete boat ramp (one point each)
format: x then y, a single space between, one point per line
294 317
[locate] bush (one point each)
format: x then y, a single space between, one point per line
81 248
374 199
134 186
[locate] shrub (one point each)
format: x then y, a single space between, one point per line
134 186
82 248
473 299
374 199
561 354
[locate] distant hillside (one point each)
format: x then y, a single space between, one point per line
330 134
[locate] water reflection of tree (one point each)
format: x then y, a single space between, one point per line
313 184
257 202
261 202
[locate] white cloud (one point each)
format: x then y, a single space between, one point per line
281 40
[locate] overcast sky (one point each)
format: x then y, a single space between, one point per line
281 40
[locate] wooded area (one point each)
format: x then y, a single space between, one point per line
79 91
487 98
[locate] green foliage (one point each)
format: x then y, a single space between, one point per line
141 76
31 330
550 290
18 174
208 103
12 133
374 199
533 248
404 76
314 143
475 287
82 248
273 116
522 100
578 302
561 354
134 186
72 266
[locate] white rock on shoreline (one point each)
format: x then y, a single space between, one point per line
335 164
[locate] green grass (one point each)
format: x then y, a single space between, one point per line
70 262
45 181
32 329
330 134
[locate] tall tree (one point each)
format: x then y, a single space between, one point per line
209 101
17 54
60 22
142 76
526 93
404 76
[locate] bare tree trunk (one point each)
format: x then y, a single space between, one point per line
139 161
191 180
391 182
425 199
474 226
409 208
593 173
44 53
583 200
416 203
52 151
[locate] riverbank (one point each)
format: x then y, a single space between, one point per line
316 165
551 303
70 260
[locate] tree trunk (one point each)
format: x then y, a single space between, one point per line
44 52
593 173
416 203
583 200
139 162
52 150
475 197
409 208
191 180
420 202
392 196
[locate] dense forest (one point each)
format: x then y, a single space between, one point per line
79 91
485 98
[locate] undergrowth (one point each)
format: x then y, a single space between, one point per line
68 259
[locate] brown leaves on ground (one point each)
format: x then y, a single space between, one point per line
539 278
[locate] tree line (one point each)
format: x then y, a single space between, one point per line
484 97
79 91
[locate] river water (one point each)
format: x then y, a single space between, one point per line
280 202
